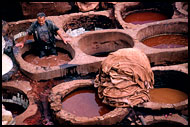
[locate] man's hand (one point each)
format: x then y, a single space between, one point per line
66 38
20 44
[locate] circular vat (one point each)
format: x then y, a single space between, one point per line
169 34
101 43
142 13
64 54
77 24
165 43
46 67
169 82
76 102
170 90
16 99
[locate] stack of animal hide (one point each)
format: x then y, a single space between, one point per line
125 78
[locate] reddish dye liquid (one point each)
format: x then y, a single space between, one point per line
48 61
85 103
167 95
14 108
144 17
166 41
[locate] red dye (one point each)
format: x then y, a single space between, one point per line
166 41
85 103
144 17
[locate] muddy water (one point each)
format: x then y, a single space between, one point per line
48 61
14 108
166 41
85 103
167 95
144 17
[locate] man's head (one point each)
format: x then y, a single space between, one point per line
41 18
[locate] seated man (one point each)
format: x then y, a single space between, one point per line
44 32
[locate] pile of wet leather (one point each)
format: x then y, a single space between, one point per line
125 78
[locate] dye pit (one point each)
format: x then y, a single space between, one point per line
169 87
31 57
89 23
166 41
52 60
109 46
144 17
85 103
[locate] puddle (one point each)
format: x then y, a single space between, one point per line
85 102
167 41
144 17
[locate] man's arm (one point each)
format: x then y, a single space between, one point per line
65 40
29 32
21 44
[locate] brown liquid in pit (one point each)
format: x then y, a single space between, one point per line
167 95
144 17
85 103
47 61
167 41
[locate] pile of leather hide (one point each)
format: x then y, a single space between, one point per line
125 78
